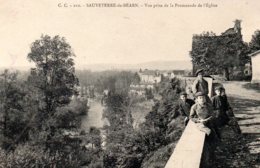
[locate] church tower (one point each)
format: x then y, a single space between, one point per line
237 26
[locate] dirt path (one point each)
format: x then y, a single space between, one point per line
246 105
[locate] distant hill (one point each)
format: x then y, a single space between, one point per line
19 68
160 65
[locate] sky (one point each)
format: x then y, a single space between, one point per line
118 35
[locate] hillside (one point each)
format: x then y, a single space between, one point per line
160 65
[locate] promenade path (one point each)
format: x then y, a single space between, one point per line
246 106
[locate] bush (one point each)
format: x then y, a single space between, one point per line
28 156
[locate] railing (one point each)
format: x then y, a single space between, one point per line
189 149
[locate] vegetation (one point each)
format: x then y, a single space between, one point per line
35 113
254 44
41 115
219 54
128 147
107 80
13 111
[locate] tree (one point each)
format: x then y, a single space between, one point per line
219 54
55 73
13 119
54 81
254 44
136 79
149 93
95 138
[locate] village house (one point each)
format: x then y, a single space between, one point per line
150 76
255 58
148 80
176 73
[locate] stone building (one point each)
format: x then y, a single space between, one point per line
209 45
255 58
150 76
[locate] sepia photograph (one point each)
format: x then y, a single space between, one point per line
130 84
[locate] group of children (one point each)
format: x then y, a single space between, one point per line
209 115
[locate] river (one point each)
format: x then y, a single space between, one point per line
94 116
94 119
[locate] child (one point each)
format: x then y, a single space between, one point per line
183 107
219 106
202 113
201 85
227 106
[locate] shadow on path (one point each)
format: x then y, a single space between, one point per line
242 151
250 124
241 105
252 86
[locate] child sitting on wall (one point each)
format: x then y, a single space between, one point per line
202 114
183 107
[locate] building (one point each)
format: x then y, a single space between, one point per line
149 79
180 73
248 69
255 58
209 45
150 76
140 89
176 74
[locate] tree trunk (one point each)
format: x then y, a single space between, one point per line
226 73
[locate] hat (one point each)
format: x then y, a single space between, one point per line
199 94
198 71
183 93
218 88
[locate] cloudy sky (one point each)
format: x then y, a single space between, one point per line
118 35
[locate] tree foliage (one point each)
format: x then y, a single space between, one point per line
27 155
37 114
219 54
254 44
53 78
127 147
13 114
118 81
54 75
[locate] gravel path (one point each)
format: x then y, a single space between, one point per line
246 104
244 151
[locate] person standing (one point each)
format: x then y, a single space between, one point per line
201 85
